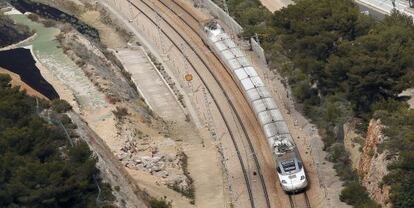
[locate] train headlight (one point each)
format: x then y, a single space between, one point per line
302 177
283 181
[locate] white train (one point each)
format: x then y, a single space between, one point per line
289 166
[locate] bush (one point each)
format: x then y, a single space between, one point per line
120 112
160 203
356 195
61 106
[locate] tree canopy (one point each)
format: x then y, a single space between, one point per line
38 168
341 64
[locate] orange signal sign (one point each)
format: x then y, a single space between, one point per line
188 77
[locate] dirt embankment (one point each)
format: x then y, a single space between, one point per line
165 159
143 138
106 76
143 142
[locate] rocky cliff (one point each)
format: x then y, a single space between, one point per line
372 164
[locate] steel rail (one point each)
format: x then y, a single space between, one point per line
249 141
248 186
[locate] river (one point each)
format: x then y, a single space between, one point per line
21 62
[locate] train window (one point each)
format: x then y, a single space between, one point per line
288 165
278 169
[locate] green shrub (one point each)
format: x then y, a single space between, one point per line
61 106
160 203
341 65
355 194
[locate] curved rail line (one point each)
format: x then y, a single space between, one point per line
251 199
196 32
194 29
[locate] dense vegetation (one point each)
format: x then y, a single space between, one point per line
57 15
342 65
11 33
38 167
400 131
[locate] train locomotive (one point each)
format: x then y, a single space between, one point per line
287 160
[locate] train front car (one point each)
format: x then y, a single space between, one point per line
291 173
289 166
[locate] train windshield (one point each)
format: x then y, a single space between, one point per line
289 165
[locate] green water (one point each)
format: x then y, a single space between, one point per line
48 52
45 41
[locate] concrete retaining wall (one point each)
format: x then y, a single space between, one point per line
235 28
220 14
258 50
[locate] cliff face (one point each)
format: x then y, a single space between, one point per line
372 165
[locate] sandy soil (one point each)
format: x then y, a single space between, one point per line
16 81
108 35
207 180
203 165
274 5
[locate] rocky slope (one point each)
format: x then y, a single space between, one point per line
372 165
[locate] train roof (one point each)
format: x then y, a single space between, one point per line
260 99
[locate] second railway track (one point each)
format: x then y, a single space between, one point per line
194 29
195 21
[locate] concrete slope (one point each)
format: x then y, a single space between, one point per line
151 85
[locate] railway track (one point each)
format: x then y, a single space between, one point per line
195 30
299 200
195 27
244 169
